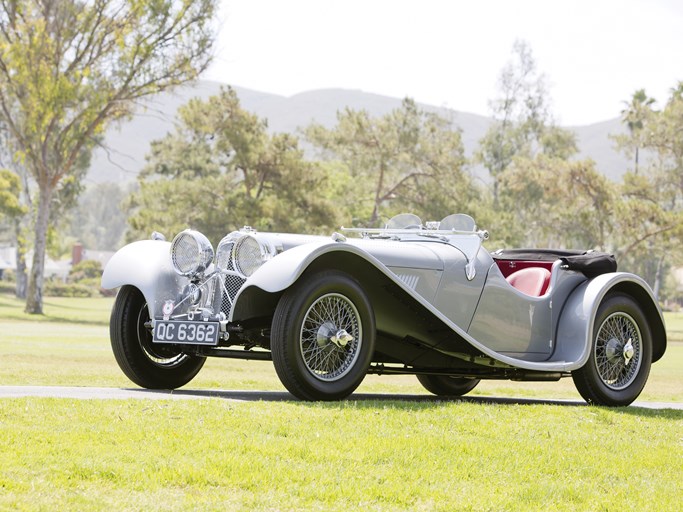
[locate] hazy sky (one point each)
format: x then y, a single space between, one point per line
595 53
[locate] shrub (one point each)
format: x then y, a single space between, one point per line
94 284
86 269
7 287
58 289
9 275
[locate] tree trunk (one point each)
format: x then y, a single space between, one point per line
495 192
636 171
658 278
34 299
378 192
20 290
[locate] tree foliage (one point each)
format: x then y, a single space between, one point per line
522 125
558 203
98 221
10 190
637 113
220 169
409 159
651 217
68 67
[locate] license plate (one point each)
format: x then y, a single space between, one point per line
192 333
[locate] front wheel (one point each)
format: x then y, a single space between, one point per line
147 364
323 336
621 354
443 385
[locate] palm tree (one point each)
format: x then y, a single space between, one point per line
635 115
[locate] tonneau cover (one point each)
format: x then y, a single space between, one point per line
590 263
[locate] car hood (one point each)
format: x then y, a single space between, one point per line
427 254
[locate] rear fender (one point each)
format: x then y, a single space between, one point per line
147 266
576 324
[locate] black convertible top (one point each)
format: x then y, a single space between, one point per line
591 263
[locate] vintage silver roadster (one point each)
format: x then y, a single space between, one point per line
411 298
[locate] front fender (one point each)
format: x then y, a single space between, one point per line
147 266
575 328
282 271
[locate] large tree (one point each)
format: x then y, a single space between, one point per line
70 67
638 111
522 124
557 203
220 169
651 220
408 159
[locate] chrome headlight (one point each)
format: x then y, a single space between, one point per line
224 253
249 255
191 253
242 252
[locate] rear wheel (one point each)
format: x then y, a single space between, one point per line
147 364
323 336
443 385
621 354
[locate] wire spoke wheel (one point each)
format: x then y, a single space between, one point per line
323 336
331 337
620 356
618 351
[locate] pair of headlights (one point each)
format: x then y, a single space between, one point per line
192 253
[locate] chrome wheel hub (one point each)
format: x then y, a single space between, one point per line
616 351
628 352
341 338
325 333
329 333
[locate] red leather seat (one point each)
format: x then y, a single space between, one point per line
533 281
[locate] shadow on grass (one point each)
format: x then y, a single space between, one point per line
60 311
62 305
82 321
411 402
25 317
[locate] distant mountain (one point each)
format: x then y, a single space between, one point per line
128 142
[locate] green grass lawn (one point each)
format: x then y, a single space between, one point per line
387 455
674 326
216 454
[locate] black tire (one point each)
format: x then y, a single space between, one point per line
615 372
323 336
148 365
443 385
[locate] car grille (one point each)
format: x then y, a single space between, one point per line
225 285
232 285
